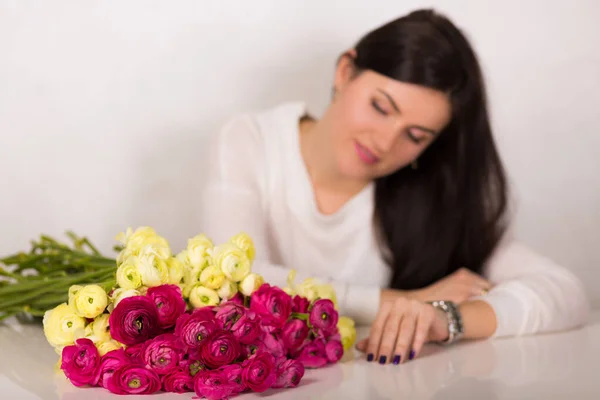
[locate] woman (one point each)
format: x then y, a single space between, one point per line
397 196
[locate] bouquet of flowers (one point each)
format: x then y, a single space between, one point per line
200 321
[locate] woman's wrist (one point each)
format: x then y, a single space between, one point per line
479 319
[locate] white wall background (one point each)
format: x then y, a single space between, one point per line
104 106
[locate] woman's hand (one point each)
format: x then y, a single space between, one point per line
401 328
457 287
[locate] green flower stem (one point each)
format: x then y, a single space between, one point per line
302 316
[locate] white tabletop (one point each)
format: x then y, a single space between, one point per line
551 366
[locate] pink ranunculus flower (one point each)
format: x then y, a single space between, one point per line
247 328
134 379
169 303
134 320
220 349
294 332
300 304
233 372
272 344
272 305
81 363
213 385
109 363
237 299
192 329
289 374
178 381
259 372
323 316
313 355
334 350
229 313
162 354
135 353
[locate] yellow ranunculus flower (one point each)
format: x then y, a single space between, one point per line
108 345
90 301
143 237
201 296
227 290
120 294
60 325
198 251
311 289
232 260
308 288
244 242
72 292
128 274
100 328
175 268
154 270
250 284
347 330
212 277
191 275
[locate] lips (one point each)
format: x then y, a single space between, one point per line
365 154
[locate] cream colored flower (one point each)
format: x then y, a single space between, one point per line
175 268
198 251
153 269
227 290
232 260
60 325
310 288
108 345
250 284
89 301
347 330
191 275
143 237
100 328
201 296
244 242
212 277
73 291
128 274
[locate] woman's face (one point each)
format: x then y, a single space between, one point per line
379 125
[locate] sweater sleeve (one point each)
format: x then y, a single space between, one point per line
531 293
234 199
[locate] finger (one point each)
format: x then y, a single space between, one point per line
424 321
473 278
406 334
390 331
377 330
362 345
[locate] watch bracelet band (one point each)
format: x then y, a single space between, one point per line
455 323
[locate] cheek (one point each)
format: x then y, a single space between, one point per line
404 153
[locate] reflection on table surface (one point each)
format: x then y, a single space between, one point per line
550 366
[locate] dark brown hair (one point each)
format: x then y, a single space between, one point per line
450 211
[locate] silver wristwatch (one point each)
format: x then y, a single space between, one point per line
455 323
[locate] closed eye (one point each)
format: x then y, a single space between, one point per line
378 108
412 135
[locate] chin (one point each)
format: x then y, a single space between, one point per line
355 171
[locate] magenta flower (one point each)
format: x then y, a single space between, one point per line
289 374
294 333
300 304
271 344
272 305
162 354
323 316
247 328
81 363
178 381
334 350
134 379
191 363
134 320
109 363
214 385
237 299
229 313
259 372
233 372
169 303
135 353
313 355
221 348
193 328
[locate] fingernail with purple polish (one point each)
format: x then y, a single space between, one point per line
396 360
382 359
412 355
370 357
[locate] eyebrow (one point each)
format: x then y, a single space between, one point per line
395 106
